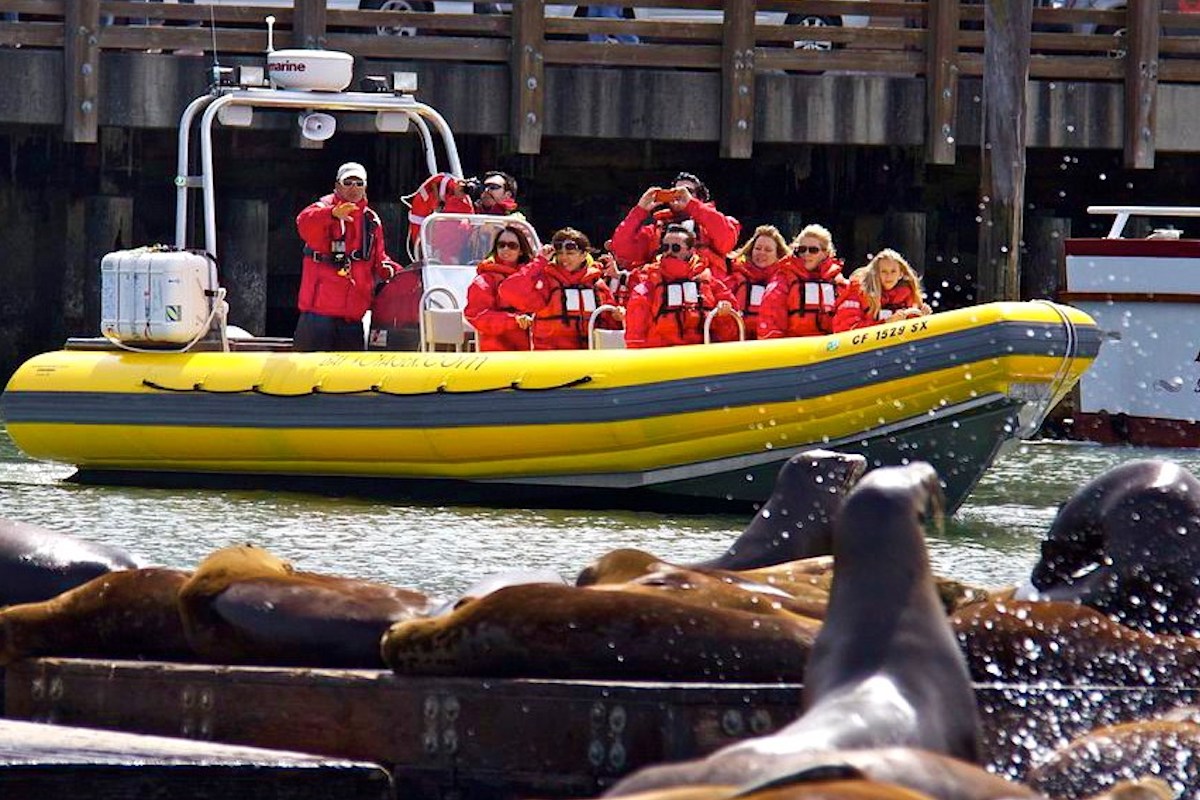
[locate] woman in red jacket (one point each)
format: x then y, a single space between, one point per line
499 325
800 300
561 288
752 266
674 295
885 289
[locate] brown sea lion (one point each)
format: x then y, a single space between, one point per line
124 614
885 669
725 590
797 520
37 564
806 581
244 605
1017 641
552 631
1128 544
1131 751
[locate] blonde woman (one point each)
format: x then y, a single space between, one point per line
800 299
885 289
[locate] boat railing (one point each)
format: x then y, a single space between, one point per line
604 338
441 325
719 311
1123 213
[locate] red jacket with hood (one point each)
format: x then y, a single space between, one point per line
853 312
494 319
670 302
748 283
561 302
636 240
799 302
340 290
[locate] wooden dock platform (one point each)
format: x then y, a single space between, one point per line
50 761
485 739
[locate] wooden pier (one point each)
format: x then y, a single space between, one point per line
499 739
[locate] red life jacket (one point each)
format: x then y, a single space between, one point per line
437 193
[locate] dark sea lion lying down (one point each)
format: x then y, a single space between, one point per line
244 605
37 564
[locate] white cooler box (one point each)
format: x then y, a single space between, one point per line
149 295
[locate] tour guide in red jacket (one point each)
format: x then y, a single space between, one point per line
343 257
674 295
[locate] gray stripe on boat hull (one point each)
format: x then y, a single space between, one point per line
576 406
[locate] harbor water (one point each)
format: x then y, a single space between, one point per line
442 549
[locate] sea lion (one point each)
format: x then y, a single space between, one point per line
1128 544
885 669
721 590
806 581
1130 751
124 614
37 564
1017 641
244 605
553 631
797 520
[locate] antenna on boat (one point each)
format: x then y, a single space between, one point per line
212 28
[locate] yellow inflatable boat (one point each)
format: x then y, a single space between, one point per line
713 421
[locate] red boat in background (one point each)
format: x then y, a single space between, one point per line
1144 293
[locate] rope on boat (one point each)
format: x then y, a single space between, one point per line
1070 351
372 389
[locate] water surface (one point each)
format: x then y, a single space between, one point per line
442 549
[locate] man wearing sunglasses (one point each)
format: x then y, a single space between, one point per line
344 256
498 194
636 240
673 296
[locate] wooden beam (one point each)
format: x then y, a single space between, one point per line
1008 27
737 79
308 29
527 68
81 71
1141 83
941 81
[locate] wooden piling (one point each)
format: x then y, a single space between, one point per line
737 79
1008 30
243 267
941 81
96 225
1141 83
1042 264
81 71
308 25
527 68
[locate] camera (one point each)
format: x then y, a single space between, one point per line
473 188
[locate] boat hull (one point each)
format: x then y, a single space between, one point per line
706 421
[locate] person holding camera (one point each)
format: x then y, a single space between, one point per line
674 295
637 239
494 193
344 256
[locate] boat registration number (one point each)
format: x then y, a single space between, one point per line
878 334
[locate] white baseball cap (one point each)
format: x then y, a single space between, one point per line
352 169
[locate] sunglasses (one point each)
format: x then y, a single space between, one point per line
569 247
674 247
494 187
348 182
507 246
810 249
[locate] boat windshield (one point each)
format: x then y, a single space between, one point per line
465 239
